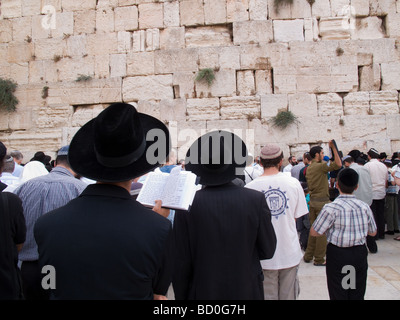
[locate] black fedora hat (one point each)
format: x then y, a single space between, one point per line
119 144
217 157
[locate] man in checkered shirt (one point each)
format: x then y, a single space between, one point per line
346 222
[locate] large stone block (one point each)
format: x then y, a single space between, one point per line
224 85
84 21
183 83
151 15
146 40
6 31
263 82
118 65
171 14
369 28
56 116
11 9
334 28
303 104
192 12
258 9
390 76
172 38
356 103
271 104
254 57
105 20
370 77
330 104
241 107
237 10
252 32
154 87
214 11
140 63
245 83
126 18
384 102
169 61
208 36
203 109
288 30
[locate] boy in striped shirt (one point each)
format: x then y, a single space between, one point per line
346 222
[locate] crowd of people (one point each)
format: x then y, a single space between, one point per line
248 228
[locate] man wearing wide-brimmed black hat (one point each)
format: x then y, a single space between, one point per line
220 242
104 244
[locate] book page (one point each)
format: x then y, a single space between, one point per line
175 189
153 188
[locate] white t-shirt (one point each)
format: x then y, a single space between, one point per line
378 172
286 200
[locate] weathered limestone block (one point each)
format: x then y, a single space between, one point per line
237 10
46 49
42 71
371 127
382 7
383 50
263 79
311 29
284 80
11 9
19 72
140 63
72 5
303 104
254 57
20 52
224 85
356 103
154 87
76 45
245 83
102 66
289 30
334 28
339 7
258 9
214 11
102 43
6 31
265 132
151 15
171 14
297 9
192 12
41 28
29 95
172 109
126 18
149 107
124 39
271 104
229 57
85 113
369 28
209 58
169 61
118 65
64 25
84 21
252 32
330 104
49 116
313 129
241 107
344 78
208 36
203 109
321 8
104 20
370 78
390 76
71 68
172 38
384 102
183 83
21 29
146 40
393 23
393 131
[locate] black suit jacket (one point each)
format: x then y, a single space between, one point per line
220 242
105 245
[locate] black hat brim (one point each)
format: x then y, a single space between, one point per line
82 157
221 175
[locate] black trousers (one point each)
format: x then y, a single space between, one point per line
378 209
32 281
346 272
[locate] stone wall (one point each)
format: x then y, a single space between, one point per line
335 64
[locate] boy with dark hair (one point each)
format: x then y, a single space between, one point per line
346 222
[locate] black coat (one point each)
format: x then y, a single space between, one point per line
220 242
105 245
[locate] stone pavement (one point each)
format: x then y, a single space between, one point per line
383 282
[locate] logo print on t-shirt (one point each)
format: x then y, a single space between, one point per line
277 201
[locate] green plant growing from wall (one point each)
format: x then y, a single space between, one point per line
283 119
83 78
8 101
45 92
206 75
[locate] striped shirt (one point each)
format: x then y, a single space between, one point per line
41 195
345 221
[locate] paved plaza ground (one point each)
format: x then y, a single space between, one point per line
383 281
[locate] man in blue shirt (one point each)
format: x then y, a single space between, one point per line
39 196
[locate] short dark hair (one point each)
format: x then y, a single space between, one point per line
347 180
270 163
314 151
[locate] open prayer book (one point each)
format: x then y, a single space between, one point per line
176 190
